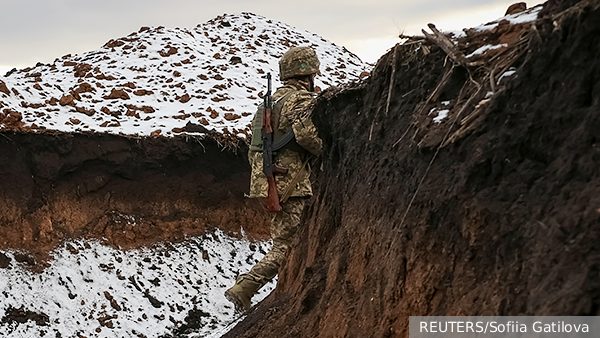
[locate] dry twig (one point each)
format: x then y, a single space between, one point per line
6 137
387 106
441 40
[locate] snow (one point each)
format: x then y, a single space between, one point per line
442 114
508 73
485 48
72 290
209 75
528 15
523 17
456 34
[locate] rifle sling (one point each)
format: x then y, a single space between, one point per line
290 188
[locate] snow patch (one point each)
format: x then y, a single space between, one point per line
485 48
508 73
100 291
442 114
528 15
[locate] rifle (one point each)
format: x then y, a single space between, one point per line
270 169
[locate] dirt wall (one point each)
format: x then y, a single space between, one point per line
130 192
503 221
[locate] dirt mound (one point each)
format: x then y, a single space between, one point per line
130 191
154 81
502 220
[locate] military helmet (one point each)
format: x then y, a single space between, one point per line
298 61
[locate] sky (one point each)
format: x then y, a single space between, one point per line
42 30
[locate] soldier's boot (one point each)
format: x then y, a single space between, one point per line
241 293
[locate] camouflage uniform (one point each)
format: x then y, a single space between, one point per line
306 136
296 95
284 223
283 228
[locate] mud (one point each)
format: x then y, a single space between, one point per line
129 192
502 221
192 322
21 316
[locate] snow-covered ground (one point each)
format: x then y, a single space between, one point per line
530 14
161 78
522 17
93 290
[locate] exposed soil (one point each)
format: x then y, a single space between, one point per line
503 220
22 316
130 192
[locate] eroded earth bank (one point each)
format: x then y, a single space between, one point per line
105 235
131 192
493 211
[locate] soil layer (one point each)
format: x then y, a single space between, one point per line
131 192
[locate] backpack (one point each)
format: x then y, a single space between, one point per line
278 136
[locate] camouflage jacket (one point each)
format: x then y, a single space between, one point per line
306 136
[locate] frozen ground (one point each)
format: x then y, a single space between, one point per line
158 79
93 290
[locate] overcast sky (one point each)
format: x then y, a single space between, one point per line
41 30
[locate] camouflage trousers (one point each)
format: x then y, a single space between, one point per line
284 225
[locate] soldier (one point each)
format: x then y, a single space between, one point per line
297 70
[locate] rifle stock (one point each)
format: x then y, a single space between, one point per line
272 196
